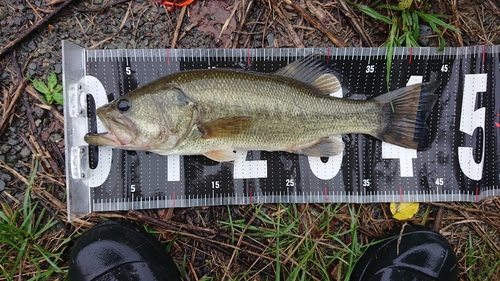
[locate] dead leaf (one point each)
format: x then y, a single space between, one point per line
211 18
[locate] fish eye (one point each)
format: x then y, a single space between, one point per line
123 105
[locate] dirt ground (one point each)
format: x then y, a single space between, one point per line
201 243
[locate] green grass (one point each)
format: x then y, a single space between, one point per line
404 21
27 251
303 244
480 259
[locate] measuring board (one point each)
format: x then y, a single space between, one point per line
463 163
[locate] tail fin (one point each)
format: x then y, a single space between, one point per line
404 112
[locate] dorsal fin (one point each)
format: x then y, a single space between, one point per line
312 71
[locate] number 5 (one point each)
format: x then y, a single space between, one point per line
470 119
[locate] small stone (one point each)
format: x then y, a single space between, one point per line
425 31
270 39
38 112
12 159
6 177
25 152
158 27
31 46
4 148
2 185
13 142
58 68
55 137
32 65
37 122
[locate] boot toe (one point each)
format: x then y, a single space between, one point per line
120 251
420 252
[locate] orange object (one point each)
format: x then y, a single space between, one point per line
175 3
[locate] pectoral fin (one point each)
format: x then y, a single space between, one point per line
324 148
225 155
225 127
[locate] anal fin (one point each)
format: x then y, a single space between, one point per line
324 148
224 155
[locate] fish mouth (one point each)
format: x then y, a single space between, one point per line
104 139
121 132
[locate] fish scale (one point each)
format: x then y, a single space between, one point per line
461 165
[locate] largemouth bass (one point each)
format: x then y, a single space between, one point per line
214 112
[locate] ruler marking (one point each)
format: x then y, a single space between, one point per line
173 198
449 53
249 61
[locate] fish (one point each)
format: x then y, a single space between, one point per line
215 112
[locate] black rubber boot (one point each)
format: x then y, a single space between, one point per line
424 255
120 251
